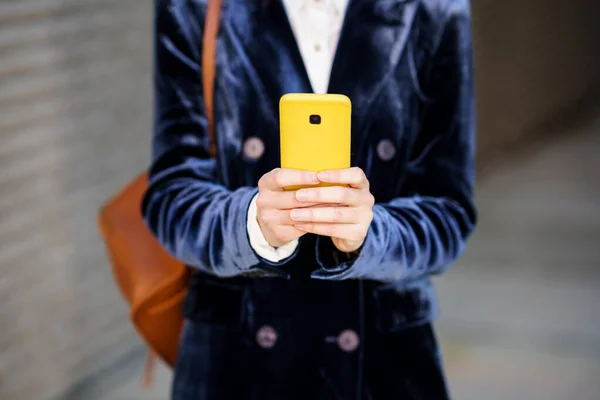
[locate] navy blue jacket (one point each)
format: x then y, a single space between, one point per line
406 65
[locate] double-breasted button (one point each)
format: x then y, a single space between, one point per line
253 148
386 150
266 337
348 340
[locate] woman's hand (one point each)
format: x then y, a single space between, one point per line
273 204
348 212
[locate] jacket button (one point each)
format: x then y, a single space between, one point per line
348 340
386 149
266 337
253 148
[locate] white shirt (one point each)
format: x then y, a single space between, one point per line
316 25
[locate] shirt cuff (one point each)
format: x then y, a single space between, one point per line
260 245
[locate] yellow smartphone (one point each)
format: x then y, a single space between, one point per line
315 131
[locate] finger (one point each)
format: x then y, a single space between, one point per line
339 215
354 177
330 194
280 178
286 234
281 201
320 205
340 231
276 218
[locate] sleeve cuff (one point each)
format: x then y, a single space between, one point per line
334 264
337 265
260 245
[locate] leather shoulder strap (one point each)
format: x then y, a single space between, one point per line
209 51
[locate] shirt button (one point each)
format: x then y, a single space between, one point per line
266 337
386 149
317 47
348 340
253 148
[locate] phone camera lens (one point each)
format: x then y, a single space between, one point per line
315 119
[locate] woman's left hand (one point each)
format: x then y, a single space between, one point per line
347 213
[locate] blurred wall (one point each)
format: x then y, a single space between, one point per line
75 119
535 60
75 109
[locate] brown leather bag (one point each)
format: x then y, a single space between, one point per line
154 283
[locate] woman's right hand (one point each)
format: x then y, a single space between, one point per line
275 204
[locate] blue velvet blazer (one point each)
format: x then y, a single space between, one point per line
406 66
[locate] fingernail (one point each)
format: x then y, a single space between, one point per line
323 175
296 214
300 227
301 195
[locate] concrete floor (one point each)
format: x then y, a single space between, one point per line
520 316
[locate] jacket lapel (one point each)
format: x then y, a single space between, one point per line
283 65
372 41
264 40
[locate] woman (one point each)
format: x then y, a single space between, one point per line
323 293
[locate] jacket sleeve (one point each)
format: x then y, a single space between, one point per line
196 219
425 230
